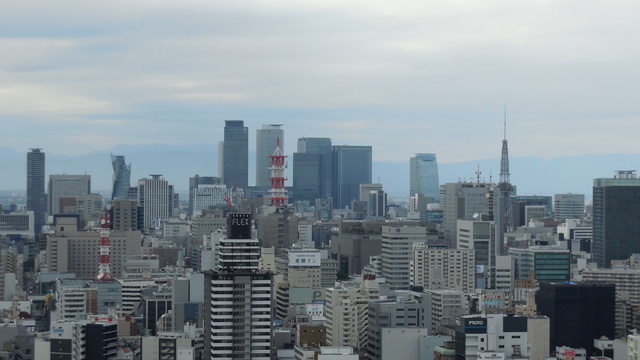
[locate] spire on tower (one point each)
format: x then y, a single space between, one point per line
504 162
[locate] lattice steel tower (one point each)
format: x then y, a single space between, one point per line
278 164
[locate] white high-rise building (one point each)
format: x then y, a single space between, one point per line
238 297
481 237
155 196
266 143
440 268
397 253
346 312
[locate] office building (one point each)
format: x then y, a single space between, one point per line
493 336
121 177
267 139
439 268
126 215
568 206
323 209
423 176
10 272
235 161
627 281
462 201
444 306
322 147
85 339
616 217
278 229
65 186
397 253
404 310
77 251
578 312
155 197
18 227
520 202
480 236
346 312
545 263
208 197
36 198
377 204
238 297
308 176
351 167
195 182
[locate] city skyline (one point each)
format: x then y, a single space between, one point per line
360 73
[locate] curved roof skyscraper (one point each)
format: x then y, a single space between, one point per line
424 176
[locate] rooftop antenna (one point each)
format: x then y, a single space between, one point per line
504 161
478 173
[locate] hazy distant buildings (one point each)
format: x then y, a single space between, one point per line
568 206
307 176
155 197
66 186
36 198
121 177
266 140
196 181
423 177
322 147
616 217
235 154
351 167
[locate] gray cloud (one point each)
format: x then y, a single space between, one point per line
405 76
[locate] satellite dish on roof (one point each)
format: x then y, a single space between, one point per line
476 216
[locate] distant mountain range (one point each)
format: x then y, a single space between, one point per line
531 175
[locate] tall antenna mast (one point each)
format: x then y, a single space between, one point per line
504 162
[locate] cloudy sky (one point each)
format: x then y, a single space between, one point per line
403 76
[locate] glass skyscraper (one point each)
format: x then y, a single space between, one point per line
616 218
266 140
121 177
351 167
424 176
36 198
322 147
235 162
307 177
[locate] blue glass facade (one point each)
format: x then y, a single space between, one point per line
236 154
351 167
423 177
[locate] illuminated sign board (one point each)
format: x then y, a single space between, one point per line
239 226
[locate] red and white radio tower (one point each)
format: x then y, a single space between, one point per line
278 164
104 274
